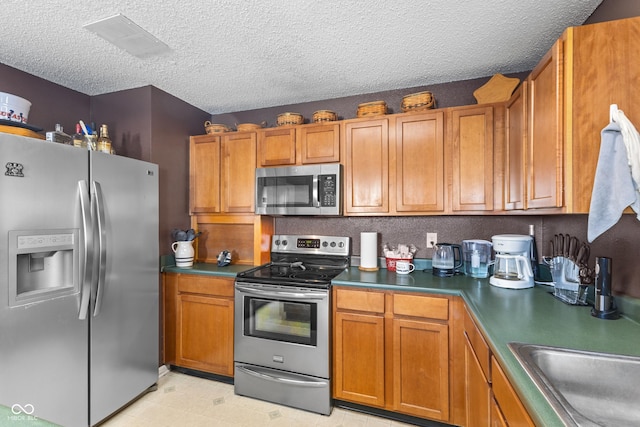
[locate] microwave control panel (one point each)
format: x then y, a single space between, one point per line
328 191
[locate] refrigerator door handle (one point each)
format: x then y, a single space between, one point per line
98 200
87 263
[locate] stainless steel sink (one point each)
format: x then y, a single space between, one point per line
585 388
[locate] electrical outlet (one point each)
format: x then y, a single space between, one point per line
432 239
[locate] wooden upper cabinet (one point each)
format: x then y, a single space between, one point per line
545 131
472 149
367 167
299 145
515 150
419 171
204 174
238 172
277 147
319 143
601 67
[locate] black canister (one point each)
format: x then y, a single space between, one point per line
604 306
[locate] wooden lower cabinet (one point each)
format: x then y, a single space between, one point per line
421 368
508 403
198 322
392 351
478 387
490 399
359 371
497 419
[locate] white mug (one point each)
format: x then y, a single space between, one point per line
404 267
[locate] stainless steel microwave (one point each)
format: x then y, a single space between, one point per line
299 190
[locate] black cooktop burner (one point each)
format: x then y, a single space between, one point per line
313 271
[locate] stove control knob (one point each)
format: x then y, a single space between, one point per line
341 245
284 243
325 244
333 244
277 243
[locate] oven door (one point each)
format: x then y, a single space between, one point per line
282 327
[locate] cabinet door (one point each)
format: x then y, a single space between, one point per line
421 368
205 333
497 419
367 167
545 128
320 144
515 151
605 70
204 174
478 390
420 163
472 158
508 401
238 172
359 358
277 147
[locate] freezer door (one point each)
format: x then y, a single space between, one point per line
43 343
124 317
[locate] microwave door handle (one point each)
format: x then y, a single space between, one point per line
316 191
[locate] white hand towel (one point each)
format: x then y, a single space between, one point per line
613 188
631 140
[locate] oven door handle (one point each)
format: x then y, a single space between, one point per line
281 379
278 294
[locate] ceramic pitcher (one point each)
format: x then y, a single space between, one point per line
183 253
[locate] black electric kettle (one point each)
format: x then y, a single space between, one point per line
446 260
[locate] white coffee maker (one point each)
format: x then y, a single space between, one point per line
512 268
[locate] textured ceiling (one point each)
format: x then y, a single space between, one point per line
230 55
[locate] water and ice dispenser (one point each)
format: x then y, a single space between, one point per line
43 264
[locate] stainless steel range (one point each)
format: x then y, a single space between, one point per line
282 322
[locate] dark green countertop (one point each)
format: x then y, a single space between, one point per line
504 315
208 269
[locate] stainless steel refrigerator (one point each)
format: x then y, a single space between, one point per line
79 290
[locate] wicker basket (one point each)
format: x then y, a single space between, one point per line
211 128
324 116
375 108
285 119
247 127
418 101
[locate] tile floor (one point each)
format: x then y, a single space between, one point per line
188 401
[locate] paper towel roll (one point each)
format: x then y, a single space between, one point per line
369 250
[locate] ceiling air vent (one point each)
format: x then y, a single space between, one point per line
127 35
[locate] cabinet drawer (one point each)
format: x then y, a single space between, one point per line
421 306
371 301
195 284
478 344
